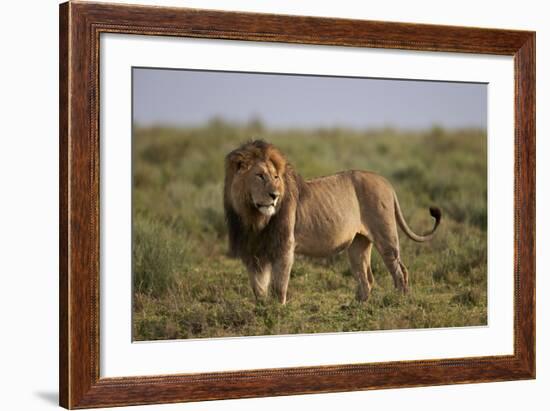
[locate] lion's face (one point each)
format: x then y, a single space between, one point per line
260 186
255 182
265 187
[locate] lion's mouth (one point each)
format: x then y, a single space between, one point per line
266 209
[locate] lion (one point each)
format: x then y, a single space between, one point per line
272 213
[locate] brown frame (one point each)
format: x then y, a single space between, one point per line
80 27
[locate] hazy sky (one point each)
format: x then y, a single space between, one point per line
183 97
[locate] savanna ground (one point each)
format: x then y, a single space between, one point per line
186 287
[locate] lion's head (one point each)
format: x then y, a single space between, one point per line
259 184
255 181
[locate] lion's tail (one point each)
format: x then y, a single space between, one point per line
434 212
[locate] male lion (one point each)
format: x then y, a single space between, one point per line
272 213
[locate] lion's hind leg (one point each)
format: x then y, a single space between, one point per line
405 275
385 238
359 253
391 257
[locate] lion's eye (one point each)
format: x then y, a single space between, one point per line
260 176
275 177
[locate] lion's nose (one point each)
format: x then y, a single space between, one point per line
274 195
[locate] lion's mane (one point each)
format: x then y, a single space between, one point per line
246 241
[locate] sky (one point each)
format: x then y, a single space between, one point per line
192 98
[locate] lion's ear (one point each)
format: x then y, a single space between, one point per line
236 161
279 162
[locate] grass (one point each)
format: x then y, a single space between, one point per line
186 287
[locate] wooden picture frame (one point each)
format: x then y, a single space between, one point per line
80 27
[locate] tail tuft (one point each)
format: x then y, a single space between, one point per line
435 212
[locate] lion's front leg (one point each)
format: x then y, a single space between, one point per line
281 273
260 277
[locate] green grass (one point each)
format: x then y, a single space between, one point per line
186 287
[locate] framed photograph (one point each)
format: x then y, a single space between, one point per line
259 205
